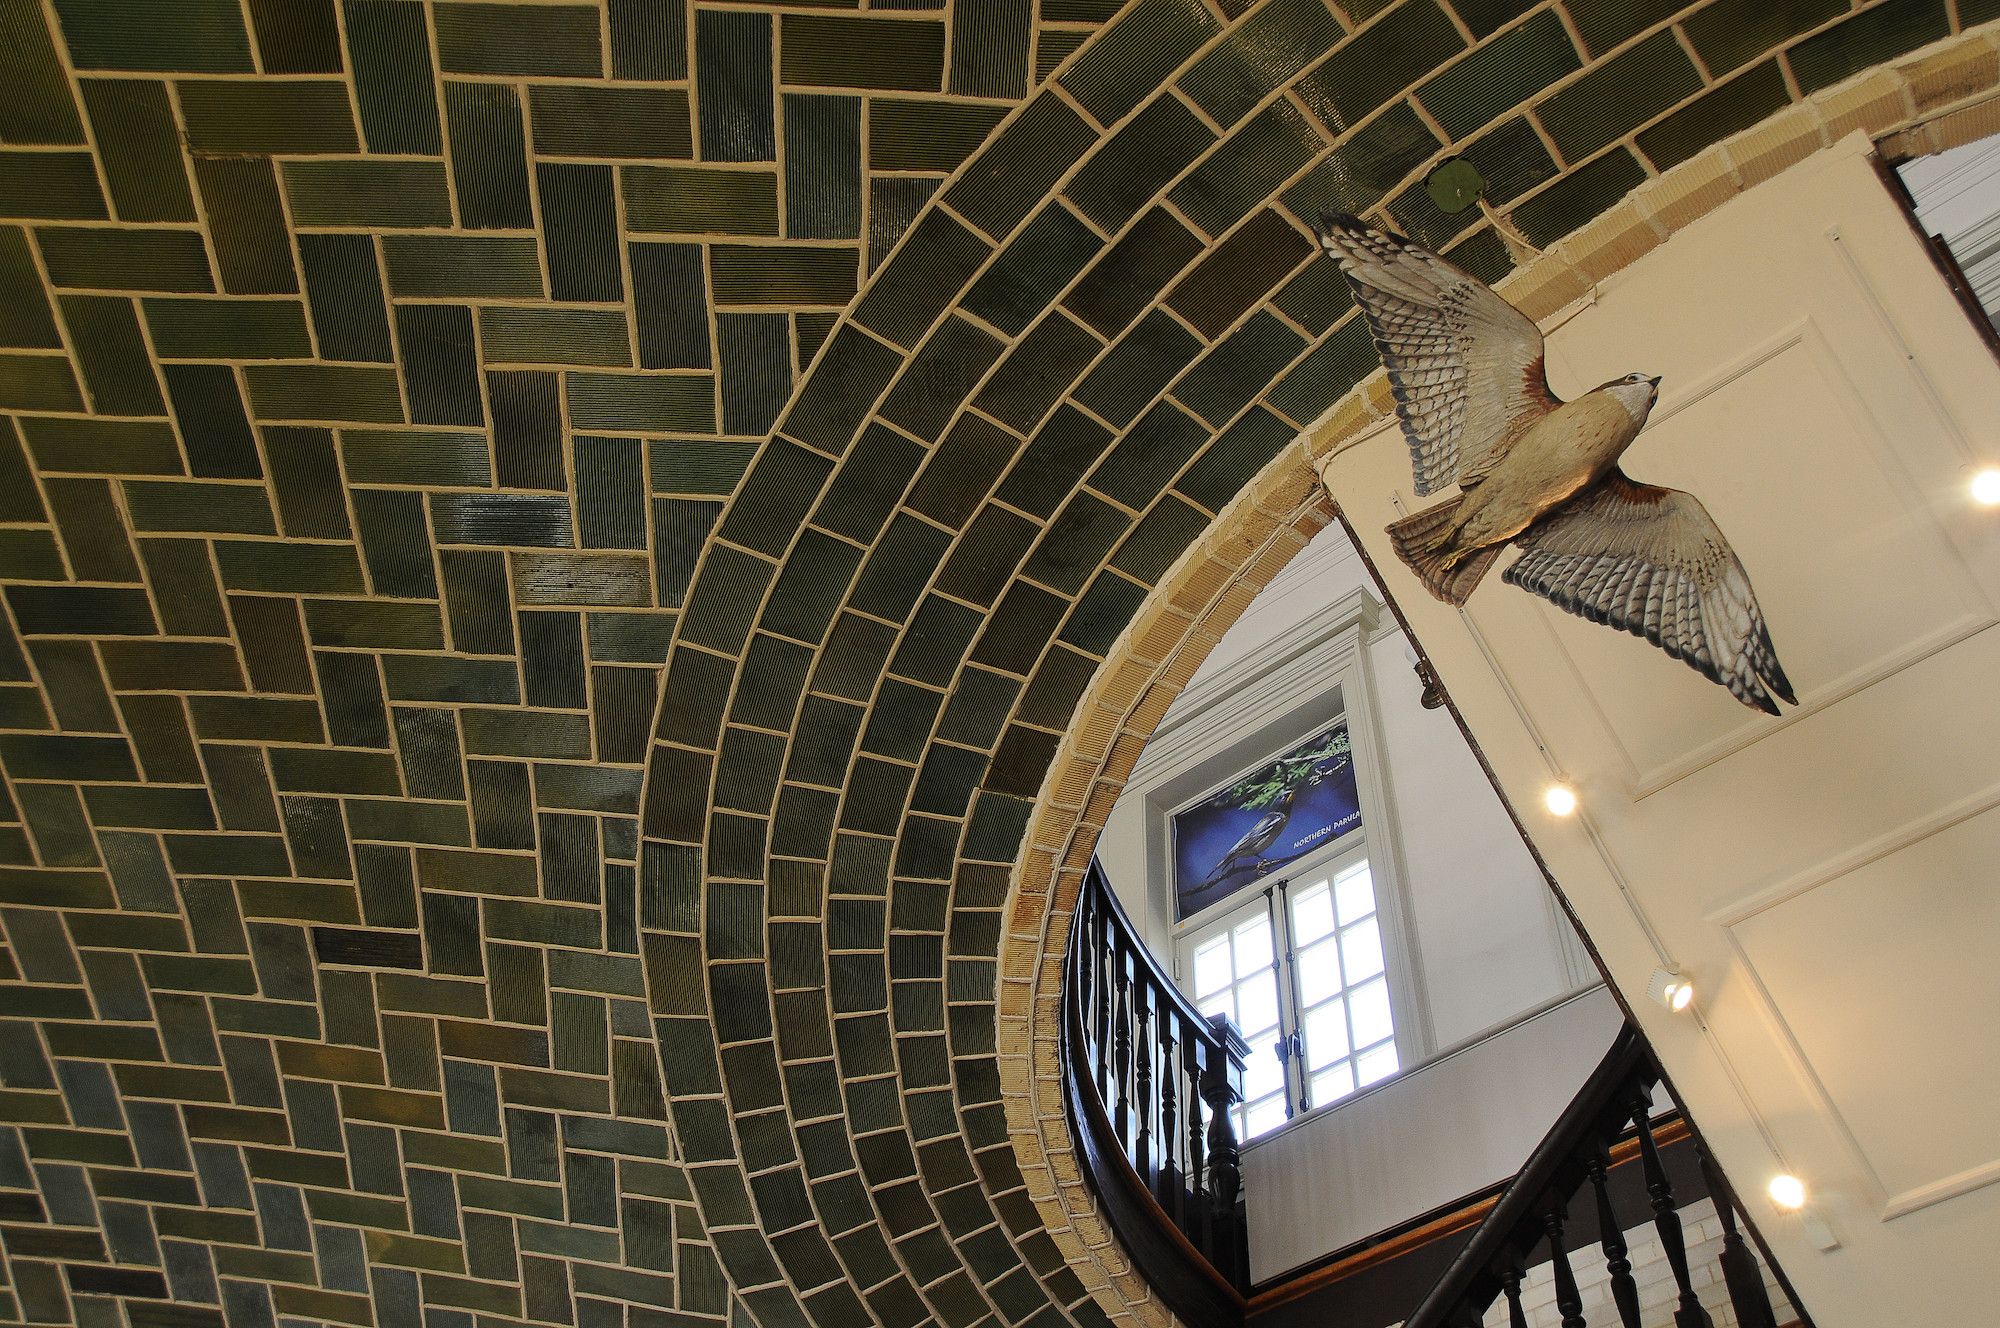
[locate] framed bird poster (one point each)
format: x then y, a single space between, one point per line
1295 804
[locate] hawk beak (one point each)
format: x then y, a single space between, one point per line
1655 382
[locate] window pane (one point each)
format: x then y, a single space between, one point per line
1263 1072
1211 966
1326 1034
1220 1004
1361 950
1370 1005
1253 945
1257 1003
1312 914
1378 1064
1332 1085
1319 974
1263 1116
1354 893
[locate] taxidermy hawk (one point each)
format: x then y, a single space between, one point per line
1542 474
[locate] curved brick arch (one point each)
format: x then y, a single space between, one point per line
902 616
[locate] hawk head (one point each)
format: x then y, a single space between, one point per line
1636 392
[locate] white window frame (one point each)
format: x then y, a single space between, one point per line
1258 707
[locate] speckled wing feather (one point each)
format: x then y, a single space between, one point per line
1652 561
1465 365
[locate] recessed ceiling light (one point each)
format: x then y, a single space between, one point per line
1671 988
1986 487
1560 799
1787 1192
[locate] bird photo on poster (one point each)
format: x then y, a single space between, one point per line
1542 474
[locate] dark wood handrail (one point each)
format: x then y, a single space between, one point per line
1569 1170
1149 1082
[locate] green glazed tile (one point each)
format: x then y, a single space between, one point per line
38 382
1486 17
1034 267
1618 96
1265 52
35 101
586 121
930 270
1234 458
1228 377
559 41
1137 162
648 40
698 465
1499 74
1512 160
368 192
228 329
344 288
1012 174
60 186
1148 457
293 117
296 36
102 447
554 336
736 113
109 259
783 274
698 200
580 230
1136 55
1111 294
463 267
139 146
1239 273
489 156
1247 168
642 403
26 319
823 176
208 408
394 84
329 392
375 456
1378 62
253 248
1583 194
111 355
838 50
1738 104
670 302
1136 368
989 48
1355 176
190 505
1731 33
910 135
202 36
1324 376
1871 37
1604 24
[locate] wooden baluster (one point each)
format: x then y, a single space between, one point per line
1144 1049
1167 1186
1568 1299
1624 1291
1740 1273
1106 998
1666 1219
1197 1225
1121 1044
1220 1091
1511 1285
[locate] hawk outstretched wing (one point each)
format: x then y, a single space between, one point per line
1465 365
1652 561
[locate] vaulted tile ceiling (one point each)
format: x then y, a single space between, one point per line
391 391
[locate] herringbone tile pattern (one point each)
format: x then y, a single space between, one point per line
401 398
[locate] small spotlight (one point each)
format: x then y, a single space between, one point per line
1671 988
1986 487
1787 1192
1560 799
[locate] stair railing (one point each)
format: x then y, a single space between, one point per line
1149 1082
1537 1209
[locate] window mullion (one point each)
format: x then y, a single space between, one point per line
1290 1038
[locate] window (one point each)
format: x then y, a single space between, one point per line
1303 970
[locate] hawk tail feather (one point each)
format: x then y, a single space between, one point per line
1423 540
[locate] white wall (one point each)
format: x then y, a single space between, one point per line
1421 1140
1827 878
